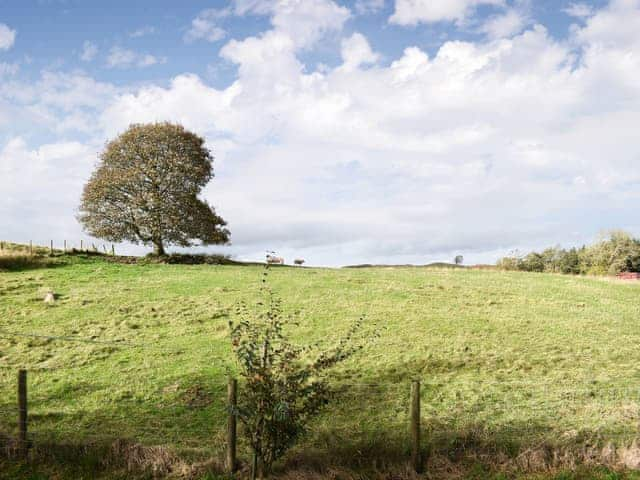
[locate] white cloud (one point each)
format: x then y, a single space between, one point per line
413 12
124 58
579 10
28 178
57 102
369 6
256 7
205 26
205 106
89 51
306 21
302 21
297 25
8 69
505 25
147 60
356 51
415 159
476 149
120 57
142 32
7 37
615 26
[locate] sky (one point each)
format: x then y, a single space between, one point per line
344 132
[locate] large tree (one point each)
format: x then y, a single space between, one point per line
145 190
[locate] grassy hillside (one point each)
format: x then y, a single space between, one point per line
508 361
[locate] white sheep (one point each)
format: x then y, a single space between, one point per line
275 260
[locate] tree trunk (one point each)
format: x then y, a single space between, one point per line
158 249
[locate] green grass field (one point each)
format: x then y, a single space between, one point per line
508 361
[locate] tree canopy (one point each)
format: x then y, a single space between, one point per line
614 253
145 190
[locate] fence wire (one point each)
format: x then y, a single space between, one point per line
194 416
190 409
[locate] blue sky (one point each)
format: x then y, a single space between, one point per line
344 131
52 33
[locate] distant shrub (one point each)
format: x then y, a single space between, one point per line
510 262
194 259
569 262
86 253
618 253
615 253
180 259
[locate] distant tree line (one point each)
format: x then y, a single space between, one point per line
614 253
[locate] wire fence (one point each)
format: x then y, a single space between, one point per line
190 411
56 247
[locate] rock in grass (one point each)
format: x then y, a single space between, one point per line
49 297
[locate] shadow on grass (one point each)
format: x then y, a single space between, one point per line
112 461
23 263
365 430
378 454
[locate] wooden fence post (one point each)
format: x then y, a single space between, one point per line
31 248
416 457
65 246
51 247
113 250
232 398
23 446
81 246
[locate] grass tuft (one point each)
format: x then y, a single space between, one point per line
516 368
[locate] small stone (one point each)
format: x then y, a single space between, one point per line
49 297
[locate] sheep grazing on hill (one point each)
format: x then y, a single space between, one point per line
275 260
299 261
